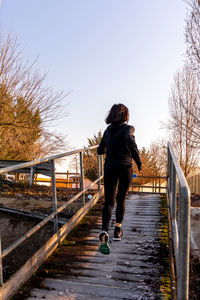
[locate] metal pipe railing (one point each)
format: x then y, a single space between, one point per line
46 159
179 207
56 210
1 266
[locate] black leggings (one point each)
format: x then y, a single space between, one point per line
112 176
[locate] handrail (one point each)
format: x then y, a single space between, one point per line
45 221
179 206
46 159
56 211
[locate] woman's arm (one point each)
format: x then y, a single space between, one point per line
132 146
101 148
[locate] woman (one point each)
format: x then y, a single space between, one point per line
119 144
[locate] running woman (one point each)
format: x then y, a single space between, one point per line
118 142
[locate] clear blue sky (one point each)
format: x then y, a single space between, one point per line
103 52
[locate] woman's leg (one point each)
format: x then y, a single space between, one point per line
125 178
110 183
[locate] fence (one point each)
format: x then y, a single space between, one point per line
8 288
67 180
151 184
194 184
179 206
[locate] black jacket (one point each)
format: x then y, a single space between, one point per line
119 144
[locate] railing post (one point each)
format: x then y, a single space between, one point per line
98 171
168 159
159 190
67 185
82 176
180 223
101 162
31 176
54 194
196 181
170 181
171 174
184 246
1 266
173 179
192 185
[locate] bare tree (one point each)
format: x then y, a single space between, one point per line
18 80
192 34
183 123
158 157
153 162
75 163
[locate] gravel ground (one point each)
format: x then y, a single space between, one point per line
195 200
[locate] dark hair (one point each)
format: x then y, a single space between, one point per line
118 113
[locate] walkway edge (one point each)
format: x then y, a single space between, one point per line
21 276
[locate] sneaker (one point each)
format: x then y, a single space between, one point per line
104 247
118 233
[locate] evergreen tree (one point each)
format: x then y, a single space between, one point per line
90 158
20 128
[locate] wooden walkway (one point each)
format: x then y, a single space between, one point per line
131 271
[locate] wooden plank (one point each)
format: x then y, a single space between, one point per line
90 267
15 282
107 281
95 263
89 289
59 295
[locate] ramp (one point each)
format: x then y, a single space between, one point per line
132 270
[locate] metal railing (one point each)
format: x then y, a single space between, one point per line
152 184
179 206
54 215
